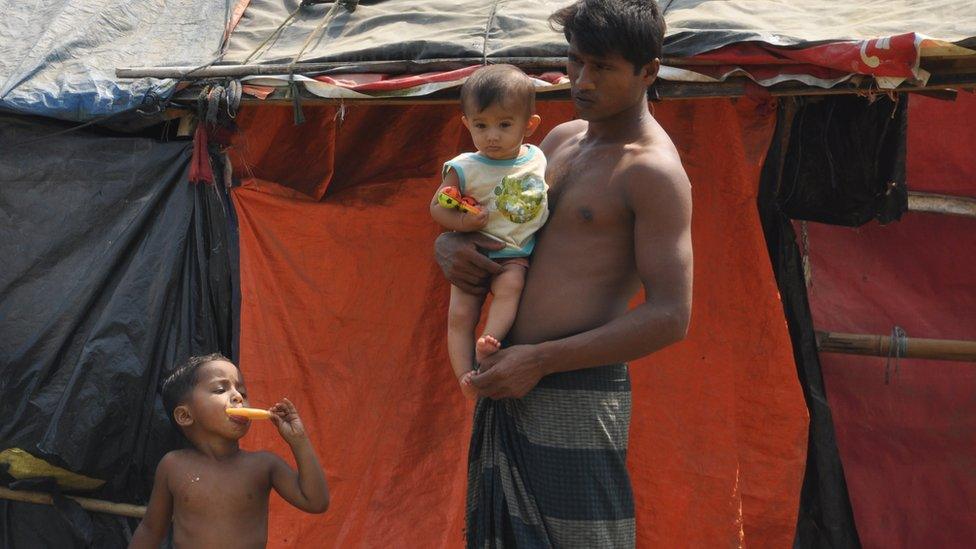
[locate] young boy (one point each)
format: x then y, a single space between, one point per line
507 179
215 494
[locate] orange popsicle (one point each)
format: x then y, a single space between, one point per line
250 413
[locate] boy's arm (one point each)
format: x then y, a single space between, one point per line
455 220
159 513
307 488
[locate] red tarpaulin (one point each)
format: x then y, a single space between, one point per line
344 311
909 446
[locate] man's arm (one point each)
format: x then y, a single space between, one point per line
660 197
159 513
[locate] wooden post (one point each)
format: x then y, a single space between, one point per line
880 345
942 204
95 505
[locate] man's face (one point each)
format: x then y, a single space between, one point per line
605 85
219 386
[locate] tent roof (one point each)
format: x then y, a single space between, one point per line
431 29
698 26
59 59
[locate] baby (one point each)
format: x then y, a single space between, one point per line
215 494
504 190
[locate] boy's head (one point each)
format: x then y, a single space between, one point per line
614 52
498 105
197 393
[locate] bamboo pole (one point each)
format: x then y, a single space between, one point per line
667 91
942 204
397 66
880 345
95 505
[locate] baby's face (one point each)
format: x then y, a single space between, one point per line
497 131
219 386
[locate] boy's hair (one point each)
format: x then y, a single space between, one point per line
506 85
632 28
179 383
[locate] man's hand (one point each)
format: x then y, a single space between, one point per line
462 263
509 373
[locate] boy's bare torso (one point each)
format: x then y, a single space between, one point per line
220 503
583 271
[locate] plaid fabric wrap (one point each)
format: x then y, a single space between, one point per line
550 469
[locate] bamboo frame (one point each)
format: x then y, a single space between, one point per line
89 504
403 65
880 345
942 204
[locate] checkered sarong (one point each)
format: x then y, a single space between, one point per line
549 469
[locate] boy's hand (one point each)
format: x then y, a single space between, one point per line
285 417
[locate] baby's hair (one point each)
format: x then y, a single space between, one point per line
179 383
506 85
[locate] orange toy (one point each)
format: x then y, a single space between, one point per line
450 197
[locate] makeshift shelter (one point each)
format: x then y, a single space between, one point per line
307 259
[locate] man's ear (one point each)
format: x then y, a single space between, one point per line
182 416
649 71
532 124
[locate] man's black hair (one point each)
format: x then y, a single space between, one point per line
503 84
632 28
179 383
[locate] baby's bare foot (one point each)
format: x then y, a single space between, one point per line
486 346
467 388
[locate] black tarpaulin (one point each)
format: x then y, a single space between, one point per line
845 162
114 269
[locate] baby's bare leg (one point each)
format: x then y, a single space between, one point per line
506 291
462 318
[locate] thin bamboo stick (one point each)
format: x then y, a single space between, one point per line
942 204
95 505
880 345
398 66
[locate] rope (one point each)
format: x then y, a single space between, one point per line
488 24
277 30
293 89
897 348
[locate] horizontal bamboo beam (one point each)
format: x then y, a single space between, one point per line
95 505
880 345
397 66
941 204
666 90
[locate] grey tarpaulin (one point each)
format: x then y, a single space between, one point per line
697 26
431 29
58 58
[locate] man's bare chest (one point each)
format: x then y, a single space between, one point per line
584 193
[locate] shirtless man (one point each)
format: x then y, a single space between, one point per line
549 443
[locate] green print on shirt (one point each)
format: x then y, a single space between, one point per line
519 199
